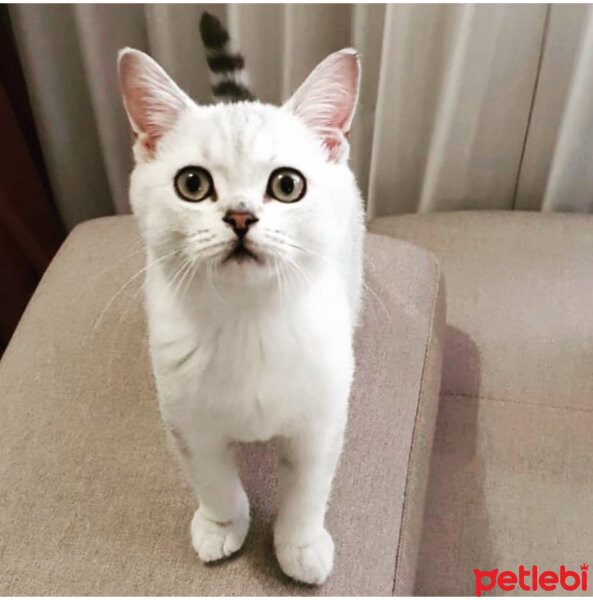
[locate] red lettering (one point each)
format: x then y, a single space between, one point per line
564 574
507 581
548 581
522 574
480 575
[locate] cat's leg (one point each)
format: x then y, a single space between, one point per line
308 460
220 524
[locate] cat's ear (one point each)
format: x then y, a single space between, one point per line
326 101
152 99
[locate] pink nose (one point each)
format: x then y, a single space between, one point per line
240 221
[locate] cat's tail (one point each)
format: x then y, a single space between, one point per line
229 82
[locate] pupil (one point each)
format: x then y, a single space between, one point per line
287 184
192 183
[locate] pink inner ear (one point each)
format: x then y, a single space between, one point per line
327 99
152 99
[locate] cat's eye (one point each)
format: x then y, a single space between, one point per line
286 185
194 184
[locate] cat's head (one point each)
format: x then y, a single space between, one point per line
247 191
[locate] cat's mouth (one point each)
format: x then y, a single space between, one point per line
240 253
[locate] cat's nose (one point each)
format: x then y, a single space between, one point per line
240 221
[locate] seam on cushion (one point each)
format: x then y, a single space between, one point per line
436 291
520 402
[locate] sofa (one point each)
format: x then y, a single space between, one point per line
467 447
510 478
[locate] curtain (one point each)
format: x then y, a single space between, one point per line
461 106
30 231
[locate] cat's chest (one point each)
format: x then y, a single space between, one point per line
245 361
253 376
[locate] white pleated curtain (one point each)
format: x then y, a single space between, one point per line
461 107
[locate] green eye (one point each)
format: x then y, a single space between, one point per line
286 185
193 184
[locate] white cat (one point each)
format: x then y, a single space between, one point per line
253 226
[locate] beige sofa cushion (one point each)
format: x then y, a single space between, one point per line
92 502
511 479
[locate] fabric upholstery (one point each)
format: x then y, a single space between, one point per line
510 479
92 501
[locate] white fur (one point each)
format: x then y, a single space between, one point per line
253 351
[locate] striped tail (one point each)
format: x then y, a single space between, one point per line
228 67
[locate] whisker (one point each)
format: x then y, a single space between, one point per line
175 281
180 275
208 255
209 269
125 285
287 241
300 271
118 262
187 268
117 329
193 269
277 268
377 299
305 276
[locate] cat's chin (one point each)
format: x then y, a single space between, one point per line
245 267
240 254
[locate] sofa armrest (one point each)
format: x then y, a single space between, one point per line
92 502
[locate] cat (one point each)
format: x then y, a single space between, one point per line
253 226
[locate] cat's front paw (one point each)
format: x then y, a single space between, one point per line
215 540
307 560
